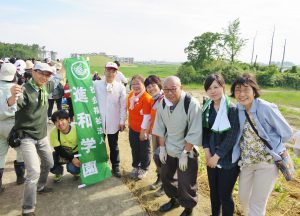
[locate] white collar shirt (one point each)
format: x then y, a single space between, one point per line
112 105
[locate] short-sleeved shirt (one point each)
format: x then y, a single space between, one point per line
141 108
68 140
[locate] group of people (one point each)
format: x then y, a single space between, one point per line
163 114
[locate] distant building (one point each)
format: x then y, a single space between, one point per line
126 60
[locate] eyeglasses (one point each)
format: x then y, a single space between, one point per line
171 90
245 91
45 74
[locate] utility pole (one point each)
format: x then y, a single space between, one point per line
255 61
283 56
253 48
272 47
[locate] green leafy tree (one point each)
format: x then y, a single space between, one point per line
232 42
205 47
186 73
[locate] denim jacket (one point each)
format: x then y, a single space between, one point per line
270 124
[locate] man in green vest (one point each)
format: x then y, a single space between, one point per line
31 125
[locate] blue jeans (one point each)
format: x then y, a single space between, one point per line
59 169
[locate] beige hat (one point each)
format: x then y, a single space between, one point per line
29 65
7 72
43 67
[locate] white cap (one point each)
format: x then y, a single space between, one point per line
111 65
7 72
43 67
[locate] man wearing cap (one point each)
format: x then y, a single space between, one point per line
7 114
31 123
120 76
111 97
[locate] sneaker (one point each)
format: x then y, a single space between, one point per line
160 192
45 190
134 172
57 178
142 173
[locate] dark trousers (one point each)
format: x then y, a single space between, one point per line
184 188
140 150
70 109
51 103
114 149
221 183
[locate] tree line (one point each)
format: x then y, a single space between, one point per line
21 51
215 52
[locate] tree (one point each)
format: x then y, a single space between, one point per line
186 73
233 43
205 47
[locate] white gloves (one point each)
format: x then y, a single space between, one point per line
183 161
162 154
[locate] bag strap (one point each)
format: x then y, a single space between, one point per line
58 137
262 139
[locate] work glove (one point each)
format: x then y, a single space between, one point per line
162 154
183 161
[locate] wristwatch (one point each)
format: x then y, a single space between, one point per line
186 152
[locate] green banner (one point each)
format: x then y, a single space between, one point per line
91 145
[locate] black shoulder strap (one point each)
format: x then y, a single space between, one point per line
187 101
262 139
58 136
163 103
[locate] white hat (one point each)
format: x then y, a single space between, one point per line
21 65
111 65
29 65
43 67
7 72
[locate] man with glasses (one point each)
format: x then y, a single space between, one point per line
180 133
111 97
31 125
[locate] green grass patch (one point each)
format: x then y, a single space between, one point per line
161 71
287 98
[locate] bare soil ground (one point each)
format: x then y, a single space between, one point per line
286 202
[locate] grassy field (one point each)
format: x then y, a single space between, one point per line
97 63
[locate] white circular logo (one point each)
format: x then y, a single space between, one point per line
80 70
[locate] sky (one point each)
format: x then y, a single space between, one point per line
150 29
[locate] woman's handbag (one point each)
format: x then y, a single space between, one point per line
285 165
14 139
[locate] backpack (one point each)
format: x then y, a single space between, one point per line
186 102
58 92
